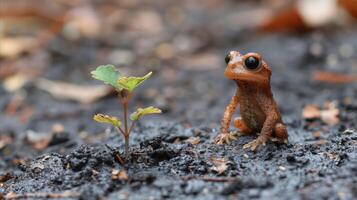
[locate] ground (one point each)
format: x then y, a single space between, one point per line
319 162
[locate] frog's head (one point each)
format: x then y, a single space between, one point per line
249 67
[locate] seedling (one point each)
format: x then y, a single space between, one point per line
125 87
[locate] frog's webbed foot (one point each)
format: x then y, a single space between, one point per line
253 145
224 138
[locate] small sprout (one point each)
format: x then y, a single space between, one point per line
108 74
144 111
107 119
130 83
125 87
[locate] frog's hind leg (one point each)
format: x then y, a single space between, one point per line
242 126
280 133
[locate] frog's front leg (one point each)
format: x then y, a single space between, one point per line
265 134
224 136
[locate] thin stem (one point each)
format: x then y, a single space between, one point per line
126 141
131 127
120 130
126 135
125 106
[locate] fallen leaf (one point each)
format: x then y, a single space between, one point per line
119 175
336 78
219 165
57 128
329 114
15 82
80 93
194 140
11 47
311 112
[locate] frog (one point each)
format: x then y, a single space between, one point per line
259 112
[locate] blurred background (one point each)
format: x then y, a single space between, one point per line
49 47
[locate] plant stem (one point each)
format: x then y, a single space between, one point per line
125 106
126 140
119 130
126 135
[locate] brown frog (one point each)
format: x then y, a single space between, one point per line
258 110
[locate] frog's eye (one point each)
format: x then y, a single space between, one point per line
227 58
252 63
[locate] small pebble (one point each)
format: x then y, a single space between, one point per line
282 168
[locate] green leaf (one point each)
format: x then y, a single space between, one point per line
107 119
144 111
108 74
130 83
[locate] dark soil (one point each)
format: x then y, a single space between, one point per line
163 164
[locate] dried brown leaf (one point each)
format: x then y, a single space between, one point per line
311 112
220 165
80 93
194 140
11 47
335 78
328 115
15 82
120 175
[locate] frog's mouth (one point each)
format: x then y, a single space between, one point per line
251 78
238 73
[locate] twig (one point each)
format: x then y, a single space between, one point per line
210 179
66 194
116 155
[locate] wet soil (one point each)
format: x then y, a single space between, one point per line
163 164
